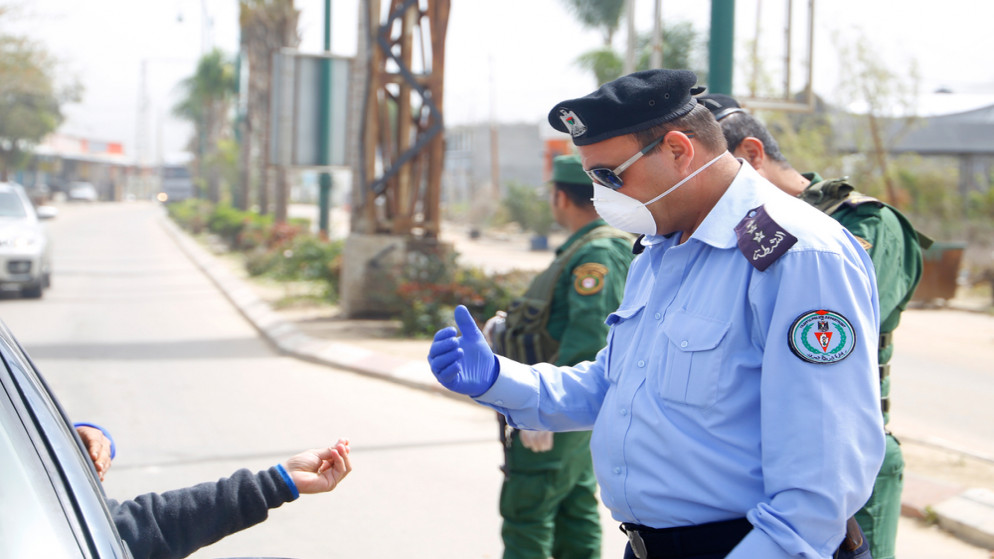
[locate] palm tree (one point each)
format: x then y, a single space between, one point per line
680 42
604 15
206 103
266 27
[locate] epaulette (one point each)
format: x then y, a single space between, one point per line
858 198
761 239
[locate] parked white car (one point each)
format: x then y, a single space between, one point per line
82 192
25 252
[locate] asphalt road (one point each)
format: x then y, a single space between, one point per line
134 337
943 370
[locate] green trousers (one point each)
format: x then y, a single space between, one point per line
549 502
879 517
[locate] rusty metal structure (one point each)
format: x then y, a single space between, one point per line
399 128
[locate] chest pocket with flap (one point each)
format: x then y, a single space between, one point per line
693 359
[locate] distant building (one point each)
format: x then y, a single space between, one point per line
469 172
955 128
61 159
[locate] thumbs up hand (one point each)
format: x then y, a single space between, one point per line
463 364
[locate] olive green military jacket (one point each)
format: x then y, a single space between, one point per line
588 290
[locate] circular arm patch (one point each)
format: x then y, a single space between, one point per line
588 278
821 337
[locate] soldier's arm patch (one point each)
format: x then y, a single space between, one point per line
821 337
588 278
761 239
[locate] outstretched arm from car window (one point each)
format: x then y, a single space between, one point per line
174 524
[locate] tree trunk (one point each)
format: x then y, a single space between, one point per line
282 194
264 183
242 196
880 155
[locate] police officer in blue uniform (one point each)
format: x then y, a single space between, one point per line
735 409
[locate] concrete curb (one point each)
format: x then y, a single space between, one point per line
968 514
289 340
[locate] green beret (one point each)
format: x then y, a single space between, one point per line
567 168
627 105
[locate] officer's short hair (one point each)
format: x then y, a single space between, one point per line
741 125
699 121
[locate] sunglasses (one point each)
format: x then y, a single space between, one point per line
611 178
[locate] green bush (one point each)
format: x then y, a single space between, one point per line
227 222
254 233
191 214
303 257
433 285
529 207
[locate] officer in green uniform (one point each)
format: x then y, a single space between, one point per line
896 250
548 500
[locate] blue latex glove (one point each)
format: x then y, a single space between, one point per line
463 364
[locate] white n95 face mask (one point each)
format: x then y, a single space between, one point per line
627 213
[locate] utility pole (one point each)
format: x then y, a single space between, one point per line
494 151
629 64
324 192
721 57
656 58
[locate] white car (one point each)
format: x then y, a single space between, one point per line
83 192
25 253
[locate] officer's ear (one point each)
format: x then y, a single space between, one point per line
752 150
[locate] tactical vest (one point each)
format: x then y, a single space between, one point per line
525 337
828 195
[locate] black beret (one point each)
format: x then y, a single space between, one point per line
720 105
627 105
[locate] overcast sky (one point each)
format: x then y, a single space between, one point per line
510 58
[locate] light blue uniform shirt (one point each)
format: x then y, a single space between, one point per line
700 410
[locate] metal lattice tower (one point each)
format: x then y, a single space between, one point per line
399 78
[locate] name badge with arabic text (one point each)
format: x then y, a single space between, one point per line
761 239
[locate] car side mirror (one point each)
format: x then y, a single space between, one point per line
46 212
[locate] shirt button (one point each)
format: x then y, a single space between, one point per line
499 402
683 343
641 363
617 471
658 316
624 411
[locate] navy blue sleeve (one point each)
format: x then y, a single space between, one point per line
174 524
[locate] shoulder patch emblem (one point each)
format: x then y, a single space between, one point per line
761 239
822 337
588 278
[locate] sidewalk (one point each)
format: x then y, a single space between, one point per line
966 513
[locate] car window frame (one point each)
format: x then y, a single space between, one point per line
61 453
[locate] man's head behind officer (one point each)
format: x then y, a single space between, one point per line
572 191
569 179
642 137
751 141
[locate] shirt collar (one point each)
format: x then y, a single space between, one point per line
748 191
